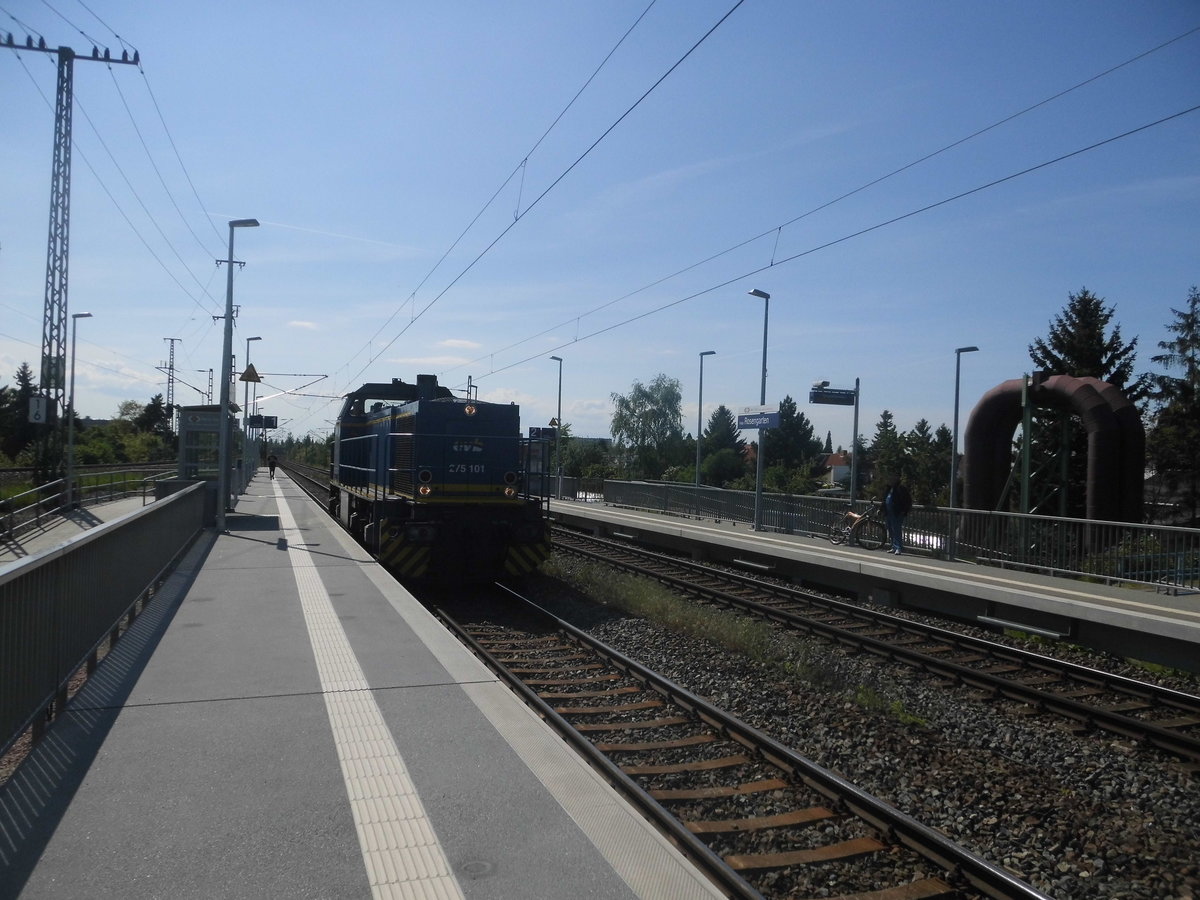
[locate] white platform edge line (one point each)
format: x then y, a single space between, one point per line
995 581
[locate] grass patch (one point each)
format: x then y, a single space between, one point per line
869 698
789 657
1166 671
648 599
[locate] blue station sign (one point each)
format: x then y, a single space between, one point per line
758 417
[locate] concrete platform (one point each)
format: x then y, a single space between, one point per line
1142 624
286 721
60 528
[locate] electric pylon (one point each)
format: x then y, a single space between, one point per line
44 409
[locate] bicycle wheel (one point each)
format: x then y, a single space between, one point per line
837 531
872 535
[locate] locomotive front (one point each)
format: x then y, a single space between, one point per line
435 485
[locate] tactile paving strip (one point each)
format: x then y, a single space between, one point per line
403 856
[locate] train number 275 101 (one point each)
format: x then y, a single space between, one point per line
466 468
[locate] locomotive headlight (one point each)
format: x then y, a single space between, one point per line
425 476
510 492
469 409
510 477
424 490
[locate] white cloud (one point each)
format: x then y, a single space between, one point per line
310 326
439 362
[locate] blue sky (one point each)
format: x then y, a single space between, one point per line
366 137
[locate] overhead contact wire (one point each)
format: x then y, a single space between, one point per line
553 184
779 228
847 237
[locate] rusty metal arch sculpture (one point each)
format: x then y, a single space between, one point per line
1116 443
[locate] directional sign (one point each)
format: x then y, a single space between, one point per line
834 396
758 417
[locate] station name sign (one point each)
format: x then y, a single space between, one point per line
834 396
758 417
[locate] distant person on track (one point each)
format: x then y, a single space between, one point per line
272 462
897 502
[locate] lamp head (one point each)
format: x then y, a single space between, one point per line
556 358
708 352
81 315
966 349
248 340
757 293
243 223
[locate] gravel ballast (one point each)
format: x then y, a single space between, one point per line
1077 816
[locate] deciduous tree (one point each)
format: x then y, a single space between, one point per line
647 423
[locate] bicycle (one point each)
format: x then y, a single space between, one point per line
861 528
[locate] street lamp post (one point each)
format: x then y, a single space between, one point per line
854 450
223 460
75 317
954 448
557 432
700 411
762 400
700 422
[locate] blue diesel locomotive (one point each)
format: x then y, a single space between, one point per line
435 485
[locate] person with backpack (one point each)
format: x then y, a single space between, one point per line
896 503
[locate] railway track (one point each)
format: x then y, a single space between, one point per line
758 817
313 480
1149 714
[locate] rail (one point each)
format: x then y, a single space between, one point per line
31 509
1163 557
57 607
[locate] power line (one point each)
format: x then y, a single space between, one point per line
551 187
104 187
847 237
777 229
519 168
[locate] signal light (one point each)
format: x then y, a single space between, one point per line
469 409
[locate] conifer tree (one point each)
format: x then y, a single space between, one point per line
1173 444
1080 343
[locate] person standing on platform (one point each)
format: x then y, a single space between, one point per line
897 502
272 462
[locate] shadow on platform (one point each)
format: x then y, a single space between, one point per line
37 796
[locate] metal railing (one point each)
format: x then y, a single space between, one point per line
1165 557
41 506
57 607
30 509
